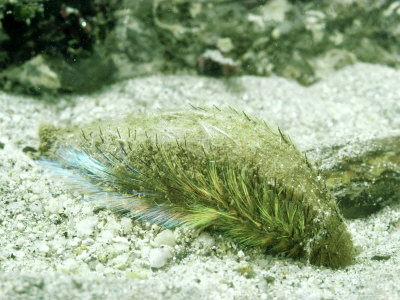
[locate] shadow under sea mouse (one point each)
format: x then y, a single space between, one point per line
206 169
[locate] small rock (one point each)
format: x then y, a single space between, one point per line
106 236
158 257
86 226
20 217
246 271
205 241
36 207
120 262
20 226
240 254
118 248
121 240
54 206
69 265
27 149
380 257
44 76
126 224
212 62
43 248
88 242
269 279
225 45
165 237
75 242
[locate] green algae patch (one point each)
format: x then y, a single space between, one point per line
207 169
365 181
50 136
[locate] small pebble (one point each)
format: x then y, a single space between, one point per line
54 206
158 257
126 224
105 236
20 226
205 241
43 248
121 240
86 226
166 237
121 261
36 207
88 242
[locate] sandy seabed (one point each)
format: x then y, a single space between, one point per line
53 245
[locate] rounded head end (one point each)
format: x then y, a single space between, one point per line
334 249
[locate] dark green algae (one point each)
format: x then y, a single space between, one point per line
366 180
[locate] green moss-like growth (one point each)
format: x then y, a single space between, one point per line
48 136
364 181
209 169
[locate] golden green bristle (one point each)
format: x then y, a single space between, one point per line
224 171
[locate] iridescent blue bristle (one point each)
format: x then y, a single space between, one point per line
94 177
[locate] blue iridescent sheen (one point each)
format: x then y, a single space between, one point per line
93 177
